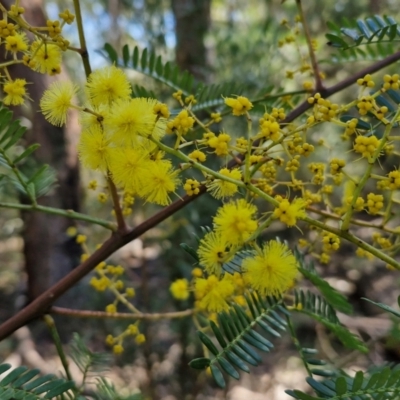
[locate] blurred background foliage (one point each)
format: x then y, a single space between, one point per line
238 43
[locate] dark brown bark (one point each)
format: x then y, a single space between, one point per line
49 253
192 20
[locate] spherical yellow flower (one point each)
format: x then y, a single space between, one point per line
180 289
56 101
94 149
131 118
220 188
240 105
234 221
17 42
107 85
15 91
160 180
212 294
46 58
288 213
213 252
272 269
128 166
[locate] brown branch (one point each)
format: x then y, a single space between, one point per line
41 304
318 83
102 314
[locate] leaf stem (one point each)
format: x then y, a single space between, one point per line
62 213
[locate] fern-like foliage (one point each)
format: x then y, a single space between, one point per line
331 295
33 182
365 39
320 310
381 384
24 383
147 63
89 363
107 391
238 338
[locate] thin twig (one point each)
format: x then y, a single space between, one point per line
131 316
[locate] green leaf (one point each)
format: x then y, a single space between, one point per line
341 386
218 334
249 351
207 342
228 368
323 372
27 376
320 388
143 60
336 41
15 135
217 375
135 57
357 381
314 361
190 250
267 328
26 153
297 394
200 363
244 356
4 368
255 343
112 54
60 389
234 359
13 375
125 54
384 307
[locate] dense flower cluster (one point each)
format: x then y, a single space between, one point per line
271 174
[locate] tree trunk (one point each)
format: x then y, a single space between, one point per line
192 20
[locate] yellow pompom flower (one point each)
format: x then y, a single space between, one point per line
220 188
212 294
67 16
394 180
131 118
17 42
160 180
118 349
94 149
272 270
128 166
287 212
220 143
181 124
191 187
366 145
56 101
234 221
111 308
107 85
239 106
213 252
180 289
46 58
15 92
331 242
374 203
197 156
139 339
161 110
